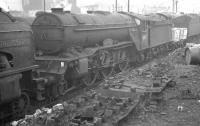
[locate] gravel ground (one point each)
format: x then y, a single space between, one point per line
181 104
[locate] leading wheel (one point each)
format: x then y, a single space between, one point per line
22 104
61 88
188 56
106 61
54 90
106 72
123 61
90 78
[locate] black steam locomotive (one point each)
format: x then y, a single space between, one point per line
75 48
67 49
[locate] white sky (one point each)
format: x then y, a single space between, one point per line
187 6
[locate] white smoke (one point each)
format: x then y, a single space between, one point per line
11 5
4 6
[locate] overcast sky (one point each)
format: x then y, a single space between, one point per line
187 6
183 5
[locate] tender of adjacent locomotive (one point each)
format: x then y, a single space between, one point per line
16 65
189 21
188 26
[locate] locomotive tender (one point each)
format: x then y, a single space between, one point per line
70 49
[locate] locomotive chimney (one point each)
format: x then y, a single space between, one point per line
89 12
68 12
57 10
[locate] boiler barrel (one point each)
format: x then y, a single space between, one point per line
55 32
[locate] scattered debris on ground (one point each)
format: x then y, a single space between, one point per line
164 92
181 101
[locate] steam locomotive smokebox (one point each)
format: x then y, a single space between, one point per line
192 54
56 32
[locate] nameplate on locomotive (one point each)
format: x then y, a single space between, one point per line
13 43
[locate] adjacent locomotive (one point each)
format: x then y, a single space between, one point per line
16 65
